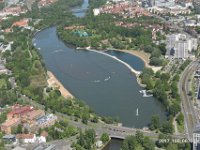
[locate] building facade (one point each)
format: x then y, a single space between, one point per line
181 45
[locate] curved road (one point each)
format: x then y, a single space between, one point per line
187 107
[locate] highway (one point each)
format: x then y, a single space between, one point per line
190 116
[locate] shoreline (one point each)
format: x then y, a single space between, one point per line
137 73
55 83
143 56
140 54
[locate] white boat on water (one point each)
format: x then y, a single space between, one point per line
145 93
137 113
107 79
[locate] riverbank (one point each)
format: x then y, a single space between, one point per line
143 56
53 82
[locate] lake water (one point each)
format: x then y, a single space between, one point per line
105 84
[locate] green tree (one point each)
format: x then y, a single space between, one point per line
105 137
19 128
155 122
180 118
156 61
174 108
167 127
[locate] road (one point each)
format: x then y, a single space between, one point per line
187 107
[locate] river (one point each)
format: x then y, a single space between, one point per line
80 11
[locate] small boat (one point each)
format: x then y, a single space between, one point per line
137 113
107 79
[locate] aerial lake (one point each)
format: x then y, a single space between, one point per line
105 84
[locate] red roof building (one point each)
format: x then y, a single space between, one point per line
6 126
21 23
19 111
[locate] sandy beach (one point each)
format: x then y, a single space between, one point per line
53 82
142 55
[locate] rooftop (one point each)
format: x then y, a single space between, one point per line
33 114
20 110
46 118
25 136
11 122
21 23
8 136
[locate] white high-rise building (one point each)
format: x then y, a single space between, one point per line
180 45
196 138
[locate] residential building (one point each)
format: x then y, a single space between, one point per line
96 11
43 3
21 23
7 126
152 3
9 138
26 138
42 137
180 46
29 119
15 11
46 121
25 115
196 4
34 115
126 9
11 2
164 3
18 111
185 3
196 137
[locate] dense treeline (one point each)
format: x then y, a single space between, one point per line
29 73
102 32
165 89
169 143
85 140
102 28
8 95
137 142
60 130
140 142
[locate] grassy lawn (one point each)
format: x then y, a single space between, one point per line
3 84
180 128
